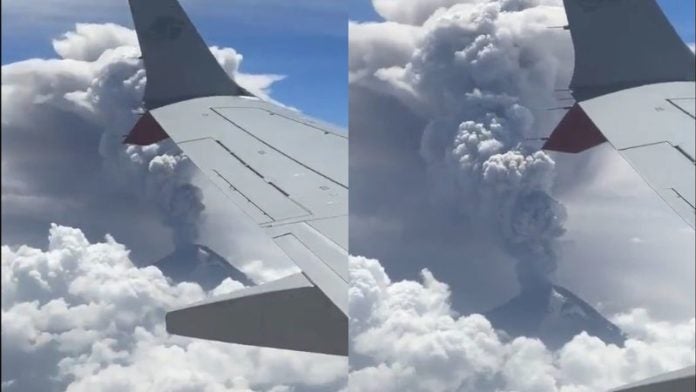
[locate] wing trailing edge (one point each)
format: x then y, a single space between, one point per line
289 313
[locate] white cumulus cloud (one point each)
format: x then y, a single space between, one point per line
80 316
405 335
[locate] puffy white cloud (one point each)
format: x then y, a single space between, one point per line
79 316
406 336
88 41
376 46
410 11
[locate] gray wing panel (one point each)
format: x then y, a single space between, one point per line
263 200
336 228
289 313
294 135
298 175
667 172
682 380
286 172
324 263
623 43
652 128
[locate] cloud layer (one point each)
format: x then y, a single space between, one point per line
406 336
80 316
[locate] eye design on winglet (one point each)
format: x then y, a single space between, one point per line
166 28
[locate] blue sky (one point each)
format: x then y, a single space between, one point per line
681 14
305 40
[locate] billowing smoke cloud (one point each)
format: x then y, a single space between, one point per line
406 336
87 100
479 72
79 316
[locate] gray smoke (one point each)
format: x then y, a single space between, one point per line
71 114
180 203
112 101
479 73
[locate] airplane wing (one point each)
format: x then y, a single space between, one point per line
287 172
634 86
681 380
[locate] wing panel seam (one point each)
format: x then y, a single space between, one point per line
245 197
277 150
679 195
318 128
670 100
676 147
298 239
248 166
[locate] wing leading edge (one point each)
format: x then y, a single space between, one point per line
681 380
286 172
635 89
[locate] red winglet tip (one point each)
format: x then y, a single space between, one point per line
575 133
146 131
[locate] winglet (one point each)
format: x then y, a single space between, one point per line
178 63
146 131
575 133
624 43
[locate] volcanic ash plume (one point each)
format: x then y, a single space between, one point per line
81 105
477 72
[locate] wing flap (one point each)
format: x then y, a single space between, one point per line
289 313
324 263
669 173
654 135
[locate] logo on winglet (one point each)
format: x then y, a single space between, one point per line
165 28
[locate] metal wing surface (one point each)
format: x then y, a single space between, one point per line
287 172
634 86
681 380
